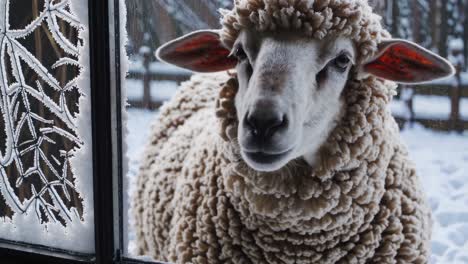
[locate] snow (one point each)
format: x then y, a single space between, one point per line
452 80
456 44
136 66
138 125
424 106
159 90
442 164
144 50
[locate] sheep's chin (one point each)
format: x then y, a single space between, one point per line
266 163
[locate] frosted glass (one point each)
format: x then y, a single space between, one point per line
45 126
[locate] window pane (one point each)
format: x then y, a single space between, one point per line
432 118
150 82
45 128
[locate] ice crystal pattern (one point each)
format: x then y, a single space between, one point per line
39 107
189 20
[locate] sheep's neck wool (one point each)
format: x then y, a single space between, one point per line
303 211
199 203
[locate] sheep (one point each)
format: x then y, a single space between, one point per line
283 148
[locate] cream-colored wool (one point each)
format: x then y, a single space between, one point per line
198 202
316 19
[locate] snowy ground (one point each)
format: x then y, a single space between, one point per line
442 161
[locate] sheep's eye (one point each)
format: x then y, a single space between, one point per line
240 54
341 62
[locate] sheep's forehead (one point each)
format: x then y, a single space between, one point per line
314 19
289 47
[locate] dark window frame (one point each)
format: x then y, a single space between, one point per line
105 102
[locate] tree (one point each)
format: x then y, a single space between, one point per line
465 32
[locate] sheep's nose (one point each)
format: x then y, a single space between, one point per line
264 124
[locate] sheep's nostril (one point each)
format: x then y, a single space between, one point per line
281 122
250 124
275 124
265 124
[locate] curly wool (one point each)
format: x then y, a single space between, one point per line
316 19
198 202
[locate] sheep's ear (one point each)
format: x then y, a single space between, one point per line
199 51
406 62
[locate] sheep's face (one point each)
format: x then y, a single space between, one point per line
289 96
290 87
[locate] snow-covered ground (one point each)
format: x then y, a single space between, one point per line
442 162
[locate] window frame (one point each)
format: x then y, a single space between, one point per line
107 160
107 157
21 252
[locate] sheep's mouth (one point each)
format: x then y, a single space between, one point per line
266 158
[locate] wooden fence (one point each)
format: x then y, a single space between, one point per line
454 89
148 73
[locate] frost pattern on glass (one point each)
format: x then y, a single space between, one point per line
39 106
189 20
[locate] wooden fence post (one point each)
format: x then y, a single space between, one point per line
146 53
455 95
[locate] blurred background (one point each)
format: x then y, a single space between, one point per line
433 117
439 25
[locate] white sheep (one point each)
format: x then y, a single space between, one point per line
293 157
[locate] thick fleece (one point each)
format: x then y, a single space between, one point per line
198 202
315 19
